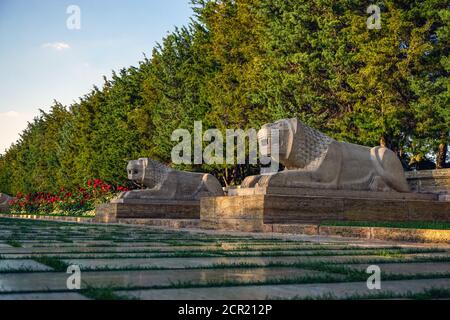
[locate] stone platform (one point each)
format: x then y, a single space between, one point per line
147 209
437 181
141 262
257 209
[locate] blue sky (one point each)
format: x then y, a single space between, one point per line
42 60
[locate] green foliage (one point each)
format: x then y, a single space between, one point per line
242 63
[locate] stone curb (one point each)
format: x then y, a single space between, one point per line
368 233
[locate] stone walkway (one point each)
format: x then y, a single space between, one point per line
135 262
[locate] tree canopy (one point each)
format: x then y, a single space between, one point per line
242 63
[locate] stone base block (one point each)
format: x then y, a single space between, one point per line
166 223
437 181
5 209
264 212
151 209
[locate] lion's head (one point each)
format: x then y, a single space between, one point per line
297 146
147 172
275 139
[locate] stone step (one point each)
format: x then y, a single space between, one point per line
409 268
21 265
299 291
128 279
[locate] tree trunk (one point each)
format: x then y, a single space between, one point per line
441 155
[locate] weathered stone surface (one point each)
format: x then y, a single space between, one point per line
151 209
294 191
351 232
255 212
437 181
280 209
4 203
207 262
124 249
299 291
168 223
412 235
44 296
408 268
375 210
308 229
374 233
314 160
122 279
21 265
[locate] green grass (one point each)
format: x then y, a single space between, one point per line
13 243
427 294
64 239
19 270
104 293
238 283
52 262
402 225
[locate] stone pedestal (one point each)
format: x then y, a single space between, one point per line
437 181
147 209
258 209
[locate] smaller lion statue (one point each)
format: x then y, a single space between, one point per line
314 160
4 203
166 183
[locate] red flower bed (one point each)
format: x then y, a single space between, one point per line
81 201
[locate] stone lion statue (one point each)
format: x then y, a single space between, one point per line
4 203
163 182
314 160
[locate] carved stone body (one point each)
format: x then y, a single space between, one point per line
164 183
4 203
314 160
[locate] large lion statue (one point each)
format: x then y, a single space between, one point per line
163 182
314 160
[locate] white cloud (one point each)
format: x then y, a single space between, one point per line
59 46
12 123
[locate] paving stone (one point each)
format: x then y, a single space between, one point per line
180 263
339 290
53 244
44 296
141 247
75 249
17 265
117 255
409 268
119 249
125 279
